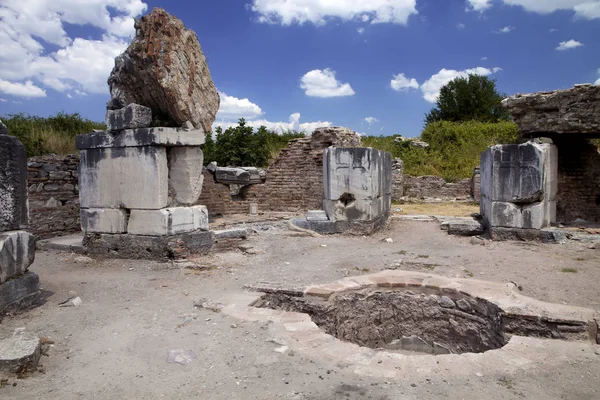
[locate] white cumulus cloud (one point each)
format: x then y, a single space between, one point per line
232 107
478 5
27 27
431 87
586 9
293 124
371 120
26 89
401 83
506 29
322 83
569 44
318 12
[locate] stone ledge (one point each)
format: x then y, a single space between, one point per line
169 137
140 247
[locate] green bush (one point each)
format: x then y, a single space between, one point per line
454 147
242 146
49 135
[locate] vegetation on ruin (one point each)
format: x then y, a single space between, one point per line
454 147
241 145
51 135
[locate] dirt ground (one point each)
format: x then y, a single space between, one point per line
115 345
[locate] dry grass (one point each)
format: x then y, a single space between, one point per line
448 209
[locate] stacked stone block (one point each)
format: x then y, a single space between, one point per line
139 184
357 184
519 185
19 288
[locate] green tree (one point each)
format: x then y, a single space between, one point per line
473 98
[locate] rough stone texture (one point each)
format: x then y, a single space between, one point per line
20 352
170 137
336 136
465 227
553 236
316 215
574 111
168 221
125 177
53 195
13 184
103 220
185 175
294 181
238 176
357 228
148 247
20 293
357 183
3 128
397 179
130 117
17 253
578 180
164 69
435 188
519 185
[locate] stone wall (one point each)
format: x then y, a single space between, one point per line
53 195
435 188
294 180
578 180
397 179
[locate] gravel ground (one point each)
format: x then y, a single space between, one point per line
115 345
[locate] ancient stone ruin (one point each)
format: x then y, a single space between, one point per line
138 184
19 287
552 179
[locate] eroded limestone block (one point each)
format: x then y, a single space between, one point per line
160 136
164 69
13 184
575 110
185 174
17 253
357 183
20 351
538 215
168 221
125 177
130 117
103 220
20 293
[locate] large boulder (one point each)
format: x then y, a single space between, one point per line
164 69
575 110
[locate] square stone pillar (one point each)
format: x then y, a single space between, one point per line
519 185
137 192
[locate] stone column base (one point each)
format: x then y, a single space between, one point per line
139 247
358 228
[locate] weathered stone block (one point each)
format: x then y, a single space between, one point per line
185 174
103 220
168 221
127 177
21 351
170 137
362 172
575 110
148 247
316 215
20 293
130 117
238 176
13 184
17 253
538 215
501 213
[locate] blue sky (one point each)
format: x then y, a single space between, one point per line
375 66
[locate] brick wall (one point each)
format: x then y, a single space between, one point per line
294 183
53 195
435 188
578 180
